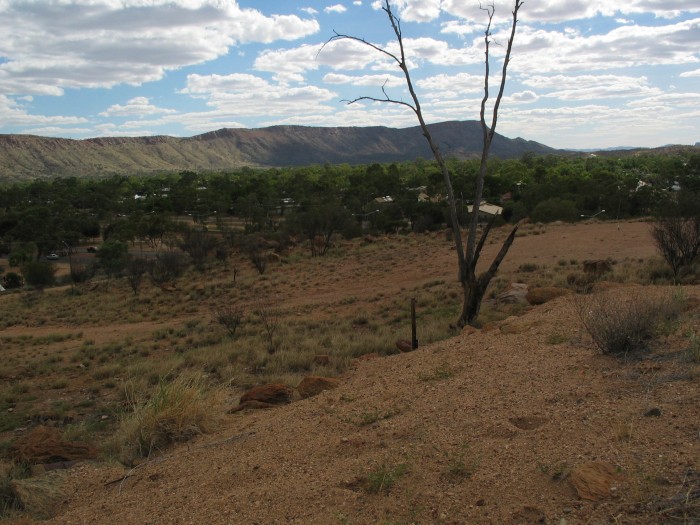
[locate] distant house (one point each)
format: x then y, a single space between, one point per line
487 209
641 184
384 200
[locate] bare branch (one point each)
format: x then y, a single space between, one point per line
386 98
340 36
489 132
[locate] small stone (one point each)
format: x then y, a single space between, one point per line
104 417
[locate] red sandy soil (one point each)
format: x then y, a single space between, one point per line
493 426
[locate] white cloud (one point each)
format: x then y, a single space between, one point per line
451 86
14 114
460 27
417 10
525 96
591 87
239 95
54 44
337 8
565 10
135 106
694 73
340 54
365 80
627 46
669 100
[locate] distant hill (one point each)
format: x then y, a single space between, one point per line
25 157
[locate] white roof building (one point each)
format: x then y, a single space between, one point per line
487 209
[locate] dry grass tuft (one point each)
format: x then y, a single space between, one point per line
176 411
39 495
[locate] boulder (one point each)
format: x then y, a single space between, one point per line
469 330
314 385
595 480
273 394
545 294
404 345
44 445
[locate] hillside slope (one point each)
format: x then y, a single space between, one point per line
28 157
482 428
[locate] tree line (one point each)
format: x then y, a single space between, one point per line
315 202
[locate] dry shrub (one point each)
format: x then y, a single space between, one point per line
176 411
581 282
38 496
231 317
621 323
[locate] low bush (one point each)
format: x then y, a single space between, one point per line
622 324
381 479
176 411
39 274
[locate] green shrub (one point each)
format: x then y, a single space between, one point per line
12 280
39 274
555 209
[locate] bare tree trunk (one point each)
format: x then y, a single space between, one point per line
474 287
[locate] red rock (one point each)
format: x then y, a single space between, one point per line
44 445
404 345
595 480
314 385
274 394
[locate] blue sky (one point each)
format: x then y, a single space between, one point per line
584 73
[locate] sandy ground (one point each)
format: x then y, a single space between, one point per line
481 428
486 427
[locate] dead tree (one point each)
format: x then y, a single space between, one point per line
473 284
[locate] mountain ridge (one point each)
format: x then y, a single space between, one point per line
24 157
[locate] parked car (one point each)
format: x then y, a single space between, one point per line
52 257
92 249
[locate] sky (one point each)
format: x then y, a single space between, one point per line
583 73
